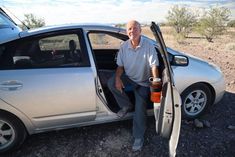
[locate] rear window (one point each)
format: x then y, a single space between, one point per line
52 51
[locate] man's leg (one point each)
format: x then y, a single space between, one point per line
139 119
121 97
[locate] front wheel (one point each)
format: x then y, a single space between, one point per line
12 132
195 100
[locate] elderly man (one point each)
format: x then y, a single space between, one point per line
137 61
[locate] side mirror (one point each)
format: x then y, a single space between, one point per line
179 60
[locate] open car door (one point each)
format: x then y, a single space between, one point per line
168 111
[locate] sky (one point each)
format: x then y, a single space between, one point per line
105 11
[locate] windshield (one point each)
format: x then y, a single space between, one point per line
4 21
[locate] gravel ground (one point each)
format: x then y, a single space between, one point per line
114 139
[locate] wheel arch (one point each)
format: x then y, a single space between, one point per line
2 112
198 85
10 110
205 83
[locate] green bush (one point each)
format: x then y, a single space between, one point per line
213 22
182 19
32 21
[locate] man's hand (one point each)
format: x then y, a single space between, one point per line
119 84
155 82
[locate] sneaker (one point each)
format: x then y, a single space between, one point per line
138 144
121 113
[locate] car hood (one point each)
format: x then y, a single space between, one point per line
191 57
174 52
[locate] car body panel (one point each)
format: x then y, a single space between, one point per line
48 96
4 106
199 72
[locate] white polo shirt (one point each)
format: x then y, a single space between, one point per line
137 62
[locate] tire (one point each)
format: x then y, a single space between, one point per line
195 100
12 132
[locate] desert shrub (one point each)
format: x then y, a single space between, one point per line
180 38
32 21
121 25
213 22
182 19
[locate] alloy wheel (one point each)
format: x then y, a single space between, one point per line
195 102
7 134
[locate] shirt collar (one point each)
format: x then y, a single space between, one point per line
140 44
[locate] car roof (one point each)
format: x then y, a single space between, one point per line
47 29
85 27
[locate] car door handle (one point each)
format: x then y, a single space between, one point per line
11 85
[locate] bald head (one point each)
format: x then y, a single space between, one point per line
133 30
133 23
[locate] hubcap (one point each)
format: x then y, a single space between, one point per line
195 102
7 134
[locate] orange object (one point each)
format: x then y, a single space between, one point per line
156 97
156 89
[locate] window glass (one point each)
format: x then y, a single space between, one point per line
104 41
3 21
46 52
58 42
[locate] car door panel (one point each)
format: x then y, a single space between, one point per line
168 111
52 97
165 116
175 133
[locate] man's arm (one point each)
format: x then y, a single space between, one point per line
155 72
118 82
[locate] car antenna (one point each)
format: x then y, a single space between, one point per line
15 17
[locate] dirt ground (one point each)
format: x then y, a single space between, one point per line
115 140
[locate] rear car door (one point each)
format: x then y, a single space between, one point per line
168 111
43 79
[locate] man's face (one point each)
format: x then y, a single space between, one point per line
133 30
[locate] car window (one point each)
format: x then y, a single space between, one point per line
4 21
59 42
44 52
101 40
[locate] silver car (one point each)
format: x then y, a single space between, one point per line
44 86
